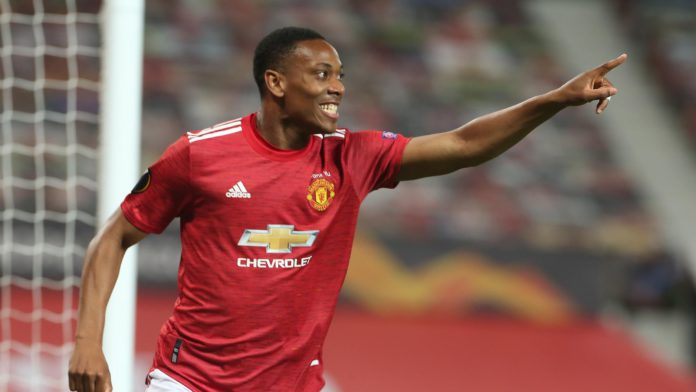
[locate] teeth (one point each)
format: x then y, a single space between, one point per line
329 108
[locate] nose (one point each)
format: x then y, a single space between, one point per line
337 88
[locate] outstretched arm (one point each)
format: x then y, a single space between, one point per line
89 371
488 136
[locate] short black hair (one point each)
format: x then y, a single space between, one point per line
275 47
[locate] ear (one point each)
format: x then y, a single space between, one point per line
275 83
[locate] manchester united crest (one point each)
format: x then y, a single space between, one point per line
321 193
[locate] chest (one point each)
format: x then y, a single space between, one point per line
245 188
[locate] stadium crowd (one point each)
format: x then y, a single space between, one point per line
665 32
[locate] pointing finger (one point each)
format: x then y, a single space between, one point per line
611 64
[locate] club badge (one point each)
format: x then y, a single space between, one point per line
321 193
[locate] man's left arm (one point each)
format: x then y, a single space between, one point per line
488 136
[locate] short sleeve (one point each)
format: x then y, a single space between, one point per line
373 159
163 191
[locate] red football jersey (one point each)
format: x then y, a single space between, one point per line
266 235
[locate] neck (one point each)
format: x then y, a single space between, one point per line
279 131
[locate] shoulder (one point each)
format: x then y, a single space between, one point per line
339 135
219 132
368 134
373 136
369 138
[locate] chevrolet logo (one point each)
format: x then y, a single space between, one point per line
278 238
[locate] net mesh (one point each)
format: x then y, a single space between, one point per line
49 82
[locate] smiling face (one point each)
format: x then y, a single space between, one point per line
312 88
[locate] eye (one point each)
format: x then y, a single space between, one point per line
341 75
322 74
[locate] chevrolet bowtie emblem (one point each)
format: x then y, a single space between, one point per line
278 238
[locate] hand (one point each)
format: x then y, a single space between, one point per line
591 85
89 371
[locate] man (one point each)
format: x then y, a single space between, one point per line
268 205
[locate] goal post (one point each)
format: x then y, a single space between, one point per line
70 98
122 28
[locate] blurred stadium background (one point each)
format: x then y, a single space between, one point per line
561 265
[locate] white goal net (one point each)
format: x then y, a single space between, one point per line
49 97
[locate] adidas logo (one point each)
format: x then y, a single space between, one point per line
238 191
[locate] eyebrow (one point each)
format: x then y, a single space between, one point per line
329 65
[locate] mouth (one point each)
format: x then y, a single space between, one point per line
330 109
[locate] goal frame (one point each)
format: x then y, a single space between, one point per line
121 97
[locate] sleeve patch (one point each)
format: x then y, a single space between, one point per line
143 183
389 135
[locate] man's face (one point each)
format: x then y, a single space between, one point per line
314 90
